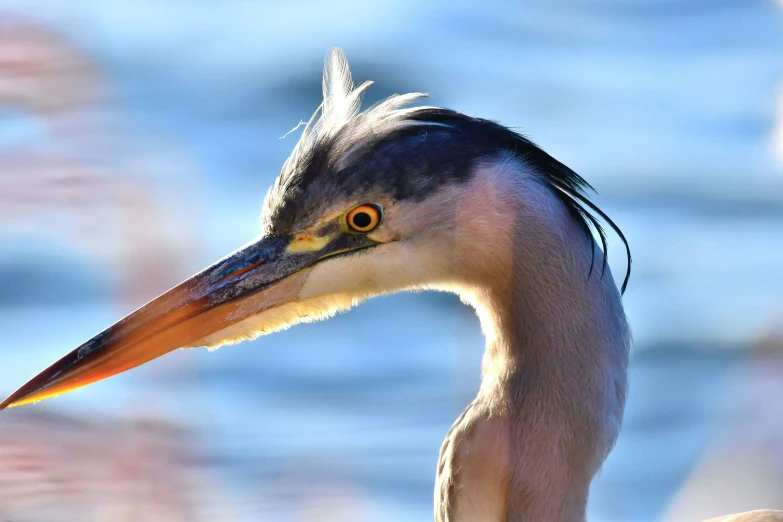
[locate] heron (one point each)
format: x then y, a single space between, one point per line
406 197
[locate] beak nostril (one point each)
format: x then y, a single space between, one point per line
241 271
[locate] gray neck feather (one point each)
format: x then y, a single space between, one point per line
555 362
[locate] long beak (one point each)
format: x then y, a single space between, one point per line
258 277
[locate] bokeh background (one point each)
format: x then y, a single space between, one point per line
138 138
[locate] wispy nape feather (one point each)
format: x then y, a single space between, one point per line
571 189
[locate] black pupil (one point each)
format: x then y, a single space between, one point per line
362 220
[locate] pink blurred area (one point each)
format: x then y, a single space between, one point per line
742 469
54 467
77 183
131 468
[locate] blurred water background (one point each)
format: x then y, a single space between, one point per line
138 137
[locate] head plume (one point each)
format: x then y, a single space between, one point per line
340 108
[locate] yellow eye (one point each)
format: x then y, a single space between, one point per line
364 218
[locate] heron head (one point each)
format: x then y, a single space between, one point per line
371 202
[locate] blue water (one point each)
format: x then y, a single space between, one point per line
667 107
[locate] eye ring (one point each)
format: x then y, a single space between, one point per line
364 218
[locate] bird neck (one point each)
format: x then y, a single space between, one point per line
555 363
